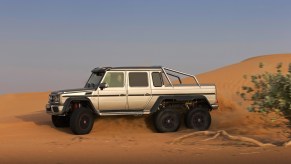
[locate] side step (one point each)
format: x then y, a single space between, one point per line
123 112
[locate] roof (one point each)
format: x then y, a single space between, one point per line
138 67
104 69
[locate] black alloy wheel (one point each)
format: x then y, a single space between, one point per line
198 119
167 120
81 121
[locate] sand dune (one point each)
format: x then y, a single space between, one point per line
233 114
28 136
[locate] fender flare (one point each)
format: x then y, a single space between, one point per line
79 99
178 98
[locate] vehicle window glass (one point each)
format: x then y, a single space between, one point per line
157 80
94 80
165 80
114 79
138 79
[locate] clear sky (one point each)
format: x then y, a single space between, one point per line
53 44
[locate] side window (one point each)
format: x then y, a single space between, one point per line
114 79
157 79
165 80
138 79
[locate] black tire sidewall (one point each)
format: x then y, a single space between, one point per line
76 119
162 116
202 114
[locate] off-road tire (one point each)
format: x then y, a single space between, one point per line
81 121
61 121
198 119
167 120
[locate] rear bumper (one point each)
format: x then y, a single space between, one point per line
54 109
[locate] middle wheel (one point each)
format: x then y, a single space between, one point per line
167 120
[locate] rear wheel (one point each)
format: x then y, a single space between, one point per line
198 119
81 121
61 121
167 121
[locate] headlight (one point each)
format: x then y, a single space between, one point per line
54 98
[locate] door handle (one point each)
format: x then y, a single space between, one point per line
122 95
147 94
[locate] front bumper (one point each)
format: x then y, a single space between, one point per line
214 106
54 109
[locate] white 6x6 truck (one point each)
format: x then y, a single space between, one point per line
166 94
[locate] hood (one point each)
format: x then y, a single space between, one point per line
78 90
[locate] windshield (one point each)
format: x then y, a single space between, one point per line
94 80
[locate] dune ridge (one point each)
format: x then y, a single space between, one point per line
232 114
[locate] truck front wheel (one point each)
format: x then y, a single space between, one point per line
81 121
167 121
198 119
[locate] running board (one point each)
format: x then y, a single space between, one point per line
119 113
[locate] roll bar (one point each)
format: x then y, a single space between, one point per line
179 72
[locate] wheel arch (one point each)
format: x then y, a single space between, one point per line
201 99
83 101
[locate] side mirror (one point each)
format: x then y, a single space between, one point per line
103 85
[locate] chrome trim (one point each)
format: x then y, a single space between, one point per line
214 106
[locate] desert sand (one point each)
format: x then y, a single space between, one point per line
28 136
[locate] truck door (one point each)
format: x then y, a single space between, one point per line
139 90
113 97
